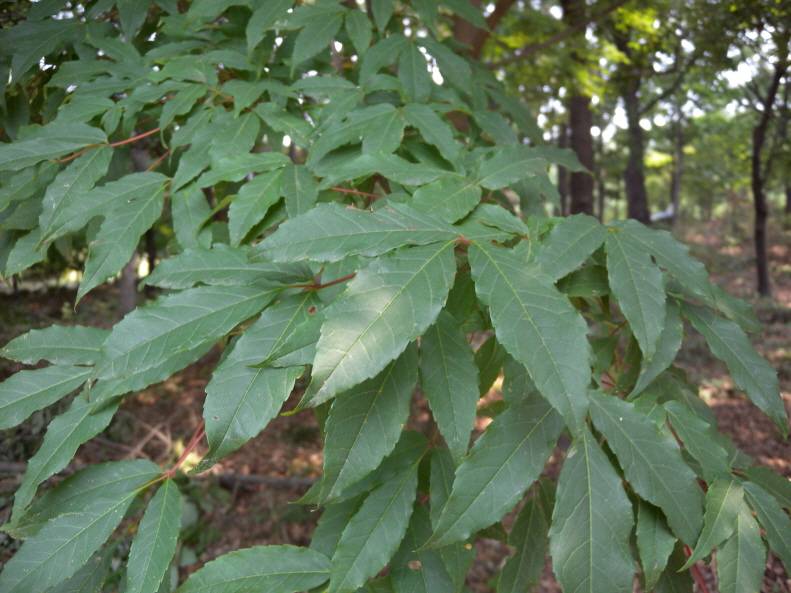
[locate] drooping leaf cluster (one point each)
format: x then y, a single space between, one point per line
349 203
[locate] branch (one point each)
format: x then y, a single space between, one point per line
82 151
529 50
673 87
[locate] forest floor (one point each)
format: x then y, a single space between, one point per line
244 500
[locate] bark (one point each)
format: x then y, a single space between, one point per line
760 206
472 36
599 175
127 298
678 167
581 182
788 198
563 174
580 118
634 176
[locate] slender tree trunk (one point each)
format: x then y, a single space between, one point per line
678 168
634 176
580 116
563 174
759 176
581 183
788 198
599 174
127 298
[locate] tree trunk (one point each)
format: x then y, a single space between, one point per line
634 176
563 174
580 116
599 174
581 183
788 198
759 176
127 299
678 168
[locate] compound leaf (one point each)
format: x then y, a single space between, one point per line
537 325
385 307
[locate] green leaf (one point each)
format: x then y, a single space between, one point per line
299 189
489 359
32 40
102 201
501 465
742 559
241 399
419 571
264 18
154 341
382 11
182 102
569 244
651 461
358 27
724 502
749 370
667 347
773 519
433 129
529 537
222 266
639 288
236 167
64 544
285 569
91 577
64 435
118 237
537 325
777 485
27 391
672 581
58 344
449 379
413 74
373 534
331 232
155 542
508 165
315 37
49 142
385 307
364 424
654 542
329 529
110 480
700 440
671 255
68 189
450 198
252 203
591 523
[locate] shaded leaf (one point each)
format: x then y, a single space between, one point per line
27 391
639 288
569 244
385 307
365 423
651 461
285 569
449 379
155 542
749 370
501 465
591 523
58 344
537 325
331 232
